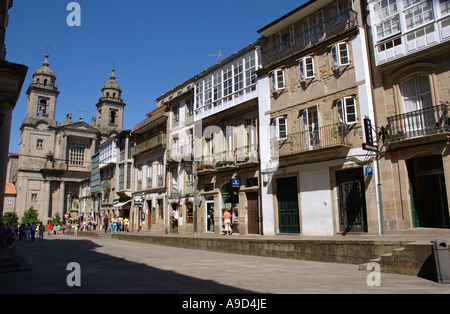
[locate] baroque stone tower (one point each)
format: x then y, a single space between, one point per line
110 108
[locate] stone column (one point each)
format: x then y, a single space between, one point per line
46 208
60 208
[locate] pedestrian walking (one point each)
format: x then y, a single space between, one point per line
28 231
115 225
75 230
227 220
41 232
106 223
49 228
9 238
33 231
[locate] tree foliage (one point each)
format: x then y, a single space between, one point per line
10 217
31 216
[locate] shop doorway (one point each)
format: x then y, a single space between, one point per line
253 213
230 200
209 214
428 192
288 213
149 215
352 201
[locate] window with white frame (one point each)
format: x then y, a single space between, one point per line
416 93
280 127
339 55
444 7
208 92
419 14
199 94
278 80
39 144
250 72
310 119
286 39
238 76
76 154
386 18
346 110
217 88
176 114
150 175
306 68
227 81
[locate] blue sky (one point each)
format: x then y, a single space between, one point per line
156 45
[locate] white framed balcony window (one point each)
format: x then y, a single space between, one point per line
339 55
306 68
417 14
386 18
278 82
280 127
311 136
346 110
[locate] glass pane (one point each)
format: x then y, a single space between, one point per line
424 84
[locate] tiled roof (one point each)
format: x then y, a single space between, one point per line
10 188
154 117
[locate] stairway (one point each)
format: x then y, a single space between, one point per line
415 258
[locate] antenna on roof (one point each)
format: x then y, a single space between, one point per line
218 55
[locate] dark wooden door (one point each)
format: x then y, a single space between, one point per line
352 201
149 216
288 214
253 213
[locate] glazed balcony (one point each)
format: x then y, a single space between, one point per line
418 124
158 141
319 33
239 157
328 141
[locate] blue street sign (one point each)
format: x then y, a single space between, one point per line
368 171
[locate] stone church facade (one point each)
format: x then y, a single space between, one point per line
55 159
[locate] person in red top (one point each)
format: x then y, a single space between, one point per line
227 220
49 228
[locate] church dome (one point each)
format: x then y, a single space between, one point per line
112 83
44 69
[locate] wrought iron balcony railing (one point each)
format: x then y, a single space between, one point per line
318 33
428 121
317 138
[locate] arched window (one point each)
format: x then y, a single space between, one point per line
42 107
112 116
416 93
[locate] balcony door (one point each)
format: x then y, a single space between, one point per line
417 103
311 138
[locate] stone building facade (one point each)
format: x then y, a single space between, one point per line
55 159
411 69
315 92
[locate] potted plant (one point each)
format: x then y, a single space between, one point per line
166 231
175 230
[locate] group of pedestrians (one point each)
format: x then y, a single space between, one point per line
13 232
116 224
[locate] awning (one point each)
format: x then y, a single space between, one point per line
121 204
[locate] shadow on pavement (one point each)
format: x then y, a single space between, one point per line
99 273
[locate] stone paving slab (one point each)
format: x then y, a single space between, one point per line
110 266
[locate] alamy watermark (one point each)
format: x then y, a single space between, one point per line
374 278
74 277
74 17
